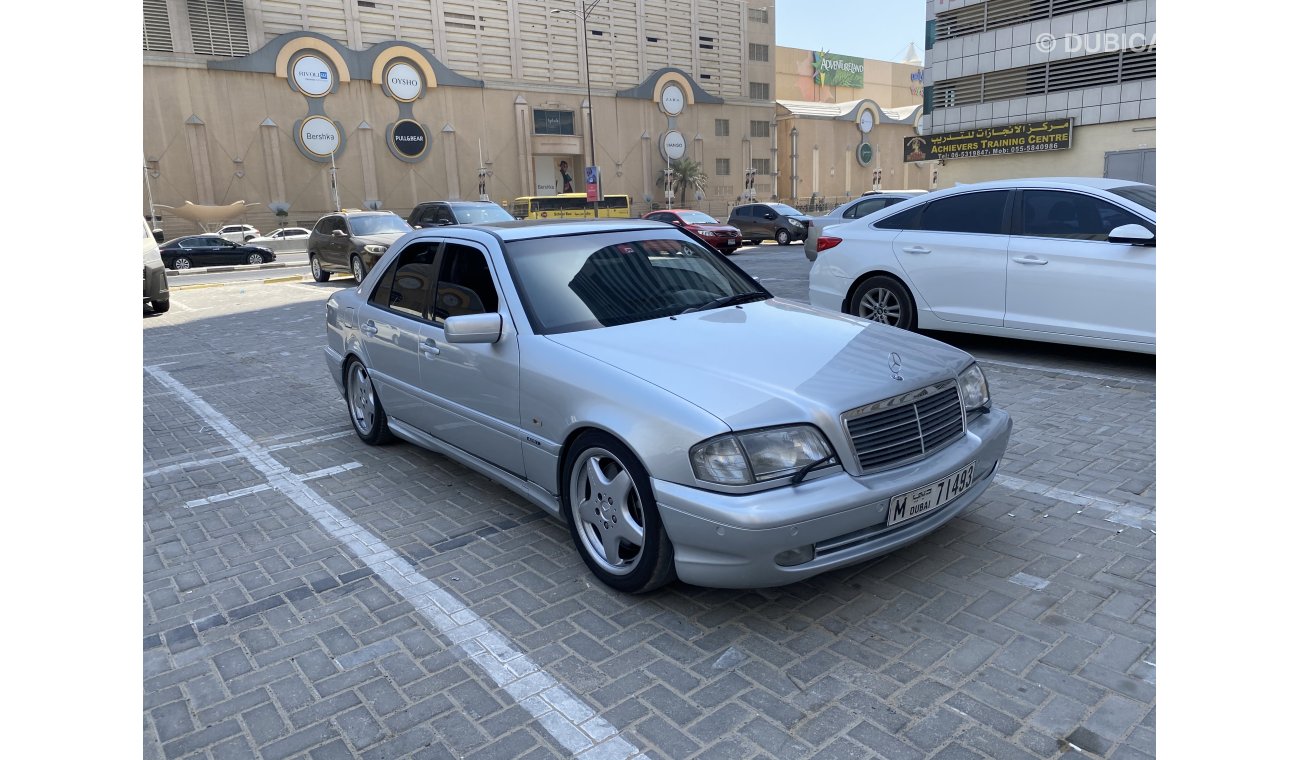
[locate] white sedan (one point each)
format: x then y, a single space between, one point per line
1065 260
284 239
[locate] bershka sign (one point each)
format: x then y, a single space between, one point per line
404 81
319 136
312 76
409 138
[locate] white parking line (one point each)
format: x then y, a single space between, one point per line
228 457
1122 513
563 715
1069 372
266 486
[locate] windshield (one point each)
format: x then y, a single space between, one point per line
696 217
1143 195
781 208
583 282
378 224
481 213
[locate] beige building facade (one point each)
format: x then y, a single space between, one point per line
285 104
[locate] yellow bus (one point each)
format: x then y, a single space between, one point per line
569 206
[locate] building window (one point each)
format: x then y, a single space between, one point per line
217 27
721 167
760 128
722 127
757 52
759 90
762 165
758 14
552 122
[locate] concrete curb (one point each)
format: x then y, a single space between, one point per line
268 281
241 268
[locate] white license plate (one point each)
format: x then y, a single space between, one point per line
913 504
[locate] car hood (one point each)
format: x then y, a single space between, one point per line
380 238
772 362
715 227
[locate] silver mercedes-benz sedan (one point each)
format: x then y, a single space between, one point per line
639 386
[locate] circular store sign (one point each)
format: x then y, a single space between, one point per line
404 81
866 121
409 138
672 100
864 154
673 145
312 76
319 136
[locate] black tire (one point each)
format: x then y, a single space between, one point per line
782 237
255 258
249 237
317 273
365 411
597 461
180 262
358 269
160 305
886 300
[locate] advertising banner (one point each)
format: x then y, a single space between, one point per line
837 70
1029 137
554 175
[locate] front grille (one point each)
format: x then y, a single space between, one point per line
906 427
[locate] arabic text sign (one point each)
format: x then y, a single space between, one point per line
1029 137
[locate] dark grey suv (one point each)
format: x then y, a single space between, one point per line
769 221
443 213
351 242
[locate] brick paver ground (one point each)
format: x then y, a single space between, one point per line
1025 628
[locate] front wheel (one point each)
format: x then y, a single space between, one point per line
885 300
358 269
612 515
160 305
367 414
782 237
254 258
181 262
318 274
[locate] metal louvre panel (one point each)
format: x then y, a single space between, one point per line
217 27
958 92
1014 83
955 23
1012 12
1134 66
1088 71
997 14
157 26
906 427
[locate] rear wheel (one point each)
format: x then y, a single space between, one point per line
886 300
782 237
367 414
160 305
318 274
254 258
612 516
181 262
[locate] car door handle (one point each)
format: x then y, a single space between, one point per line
915 249
429 348
1029 260
369 329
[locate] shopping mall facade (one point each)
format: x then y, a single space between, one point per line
406 101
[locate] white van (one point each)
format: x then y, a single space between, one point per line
155 274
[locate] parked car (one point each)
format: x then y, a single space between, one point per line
1067 260
723 237
156 293
619 375
238 233
210 250
769 221
284 239
857 208
351 241
443 213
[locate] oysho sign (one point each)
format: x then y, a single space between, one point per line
312 76
404 81
319 136
409 138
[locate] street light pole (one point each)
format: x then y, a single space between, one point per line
586 70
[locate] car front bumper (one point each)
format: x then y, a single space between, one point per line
155 283
731 541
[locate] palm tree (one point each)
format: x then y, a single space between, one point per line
685 174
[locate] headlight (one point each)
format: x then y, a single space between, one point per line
375 248
739 459
974 389
796 223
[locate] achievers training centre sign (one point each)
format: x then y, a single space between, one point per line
1029 137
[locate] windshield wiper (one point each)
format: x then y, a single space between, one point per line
731 300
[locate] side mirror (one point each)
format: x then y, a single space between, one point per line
1132 234
769 215
444 222
339 233
679 222
473 328
415 227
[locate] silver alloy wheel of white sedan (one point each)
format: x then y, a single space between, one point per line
881 305
607 511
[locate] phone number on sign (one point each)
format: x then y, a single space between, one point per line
1000 151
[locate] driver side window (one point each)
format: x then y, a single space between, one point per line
464 284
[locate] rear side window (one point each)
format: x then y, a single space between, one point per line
745 211
408 284
328 224
979 213
859 210
909 219
464 284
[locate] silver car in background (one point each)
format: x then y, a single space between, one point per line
284 240
857 208
641 387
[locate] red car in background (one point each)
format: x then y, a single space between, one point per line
723 237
